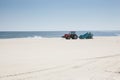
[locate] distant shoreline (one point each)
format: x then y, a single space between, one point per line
51 34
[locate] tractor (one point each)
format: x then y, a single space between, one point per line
70 35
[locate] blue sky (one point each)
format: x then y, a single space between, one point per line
45 15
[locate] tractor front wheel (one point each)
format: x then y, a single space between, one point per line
67 37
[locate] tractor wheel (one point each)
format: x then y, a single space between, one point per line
67 37
75 37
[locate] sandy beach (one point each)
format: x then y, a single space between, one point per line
60 59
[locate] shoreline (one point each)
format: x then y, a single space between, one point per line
58 37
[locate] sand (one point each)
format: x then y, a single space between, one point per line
60 59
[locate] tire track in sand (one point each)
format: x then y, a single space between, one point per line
58 67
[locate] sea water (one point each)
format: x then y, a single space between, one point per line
50 34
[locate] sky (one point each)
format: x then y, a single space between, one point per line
59 15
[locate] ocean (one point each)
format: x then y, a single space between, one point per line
51 34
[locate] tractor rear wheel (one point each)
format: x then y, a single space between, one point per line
74 37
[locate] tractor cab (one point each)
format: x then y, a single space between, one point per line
72 32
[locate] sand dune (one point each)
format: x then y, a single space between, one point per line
60 59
